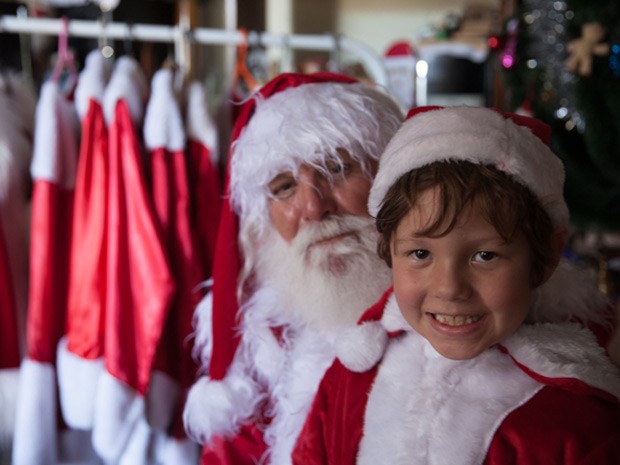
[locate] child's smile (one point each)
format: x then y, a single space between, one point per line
464 291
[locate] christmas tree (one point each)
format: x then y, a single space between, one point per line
560 62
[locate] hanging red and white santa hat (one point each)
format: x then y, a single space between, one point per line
514 144
290 131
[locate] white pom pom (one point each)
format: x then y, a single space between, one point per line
359 348
219 408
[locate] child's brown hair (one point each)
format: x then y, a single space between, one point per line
508 206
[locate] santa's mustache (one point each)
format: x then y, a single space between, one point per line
331 227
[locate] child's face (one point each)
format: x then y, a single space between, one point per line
465 291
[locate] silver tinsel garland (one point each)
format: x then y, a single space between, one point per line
545 23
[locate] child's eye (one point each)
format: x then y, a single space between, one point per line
484 256
419 254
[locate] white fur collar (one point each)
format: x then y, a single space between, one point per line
551 350
437 411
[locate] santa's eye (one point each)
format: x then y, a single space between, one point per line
282 186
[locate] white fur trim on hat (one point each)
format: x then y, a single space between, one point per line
56 138
92 81
217 408
306 124
200 125
477 135
127 83
163 124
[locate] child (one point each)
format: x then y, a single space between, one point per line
480 353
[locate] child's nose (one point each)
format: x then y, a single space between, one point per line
451 282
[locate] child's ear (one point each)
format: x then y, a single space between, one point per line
558 241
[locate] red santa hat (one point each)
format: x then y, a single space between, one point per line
514 144
296 114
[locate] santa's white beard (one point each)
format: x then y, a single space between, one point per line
328 285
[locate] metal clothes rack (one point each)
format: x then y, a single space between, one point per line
181 35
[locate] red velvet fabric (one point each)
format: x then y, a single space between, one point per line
50 242
9 346
139 283
87 279
171 195
206 194
246 448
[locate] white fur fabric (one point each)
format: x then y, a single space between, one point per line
78 381
118 411
437 411
127 83
56 138
426 423
477 135
200 125
92 81
36 429
9 389
361 347
284 372
163 124
306 124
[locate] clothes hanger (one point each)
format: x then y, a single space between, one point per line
65 59
241 69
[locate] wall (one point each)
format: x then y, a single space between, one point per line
379 23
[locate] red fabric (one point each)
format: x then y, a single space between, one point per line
555 426
246 448
206 196
227 256
9 346
171 196
139 283
50 242
87 279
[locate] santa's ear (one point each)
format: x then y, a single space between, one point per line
558 242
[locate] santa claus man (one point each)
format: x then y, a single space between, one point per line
297 251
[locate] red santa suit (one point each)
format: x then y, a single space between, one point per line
546 394
266 359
